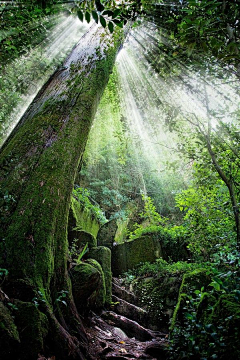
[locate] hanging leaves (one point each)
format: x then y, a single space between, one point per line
95 16
110 26
87 16
80 15
103 21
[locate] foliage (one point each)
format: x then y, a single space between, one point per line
209 28
160 268
83 196
23 26
203 332
208 220
107 13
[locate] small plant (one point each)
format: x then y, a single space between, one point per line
82 253
39 299
62 295
3 275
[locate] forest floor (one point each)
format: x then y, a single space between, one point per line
114 336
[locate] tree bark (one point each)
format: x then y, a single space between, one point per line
38 164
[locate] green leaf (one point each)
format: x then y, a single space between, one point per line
118 23
99 5
87 16
116 13
80 15
95 16
103 21
110 26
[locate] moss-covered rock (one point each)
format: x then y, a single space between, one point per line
194 280
86 279
98 298
33 328
159 297
107 234
131 253
103 256
9 336
81 238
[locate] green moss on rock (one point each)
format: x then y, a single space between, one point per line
9 336
103 256
191 281
86 279
33 328
98 298
107 233
131 253
159 297
81 238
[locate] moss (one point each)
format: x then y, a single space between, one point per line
130 254
86 279
38 165
195 280
158 296
107 233
81 238
42 157
98 298
191 281
33 328
9 336
103 256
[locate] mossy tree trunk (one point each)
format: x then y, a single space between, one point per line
38 166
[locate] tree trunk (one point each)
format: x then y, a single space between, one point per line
38 164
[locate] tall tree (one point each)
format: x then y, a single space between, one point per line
38 164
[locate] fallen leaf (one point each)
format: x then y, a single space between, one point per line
121 342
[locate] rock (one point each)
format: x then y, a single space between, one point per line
129 310
103 255
131 253
158 296
33 329
98 298
107 233
81 238
157 350
119 333
130 327
122 293
9 336
86 279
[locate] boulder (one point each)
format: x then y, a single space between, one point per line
33 329
103 256
9 336
107 234
81 238
86 279
128 255
98 298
